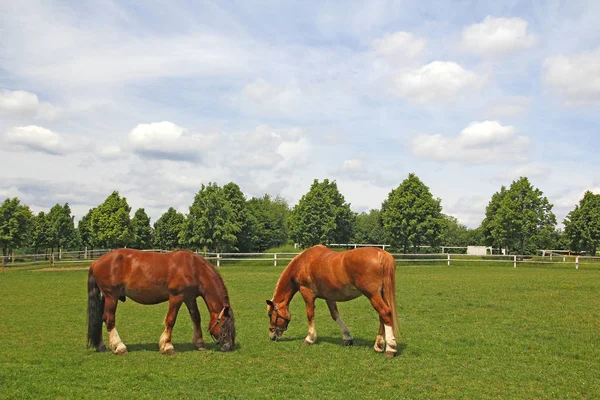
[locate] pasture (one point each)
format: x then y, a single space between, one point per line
469 331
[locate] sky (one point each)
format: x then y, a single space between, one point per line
155 98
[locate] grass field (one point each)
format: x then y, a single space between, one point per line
468 332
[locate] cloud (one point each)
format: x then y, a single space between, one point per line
528 170
20 102
399 46
167 141
513 106
575 78
496 37
36 138
479 142
357 170
439 80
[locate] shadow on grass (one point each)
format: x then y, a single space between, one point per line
179 347
401 347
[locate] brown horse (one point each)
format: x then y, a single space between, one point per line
152 278
321 273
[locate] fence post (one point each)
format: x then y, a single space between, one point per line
275 259
515 261
448 259
564 259
577 262
218 260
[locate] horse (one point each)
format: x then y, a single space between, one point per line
151 278
321 273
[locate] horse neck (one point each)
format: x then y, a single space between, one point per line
215 294
286 288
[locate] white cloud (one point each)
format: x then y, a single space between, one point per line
110 152
439 80
479 142
497 36
512 106
575 78
167 141
528 170
399 46
36 138
21 102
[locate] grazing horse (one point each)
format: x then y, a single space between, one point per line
152 278
321 273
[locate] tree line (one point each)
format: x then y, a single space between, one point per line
221 219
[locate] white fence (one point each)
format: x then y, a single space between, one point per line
282 258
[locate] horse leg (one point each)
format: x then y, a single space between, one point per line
385 317
309 299
114 341
197 339
333 310
380 341
164 344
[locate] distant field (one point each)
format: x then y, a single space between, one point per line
469 331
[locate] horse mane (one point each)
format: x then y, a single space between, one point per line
285 274
211 268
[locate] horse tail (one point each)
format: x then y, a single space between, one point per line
389 286
95 310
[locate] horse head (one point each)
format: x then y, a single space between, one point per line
222 328
279 319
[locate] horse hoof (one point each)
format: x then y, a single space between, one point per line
306 343
378 349
390 354
121 352
169 352
101 348
200 348
349 342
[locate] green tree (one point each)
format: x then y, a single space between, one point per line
237 204
15 222
211 223
142 231
167 230
61 228
321 216
454 233
411 216
268 222
84 229
39 235
519 218
368 228
110 223
582 224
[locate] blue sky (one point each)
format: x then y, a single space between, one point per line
155 98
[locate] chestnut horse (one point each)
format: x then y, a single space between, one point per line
152 278
321 273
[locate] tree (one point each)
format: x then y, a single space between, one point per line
211 222
368 228
239 213
142 231
411 216
519 218
61 228
110 223
84 228
167 230
15 222
39 235
267 221
321 216
582 224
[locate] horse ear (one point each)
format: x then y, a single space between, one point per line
270 303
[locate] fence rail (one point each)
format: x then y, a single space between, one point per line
282 258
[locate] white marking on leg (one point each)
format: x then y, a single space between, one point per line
344 328
312 333
114 342
390 340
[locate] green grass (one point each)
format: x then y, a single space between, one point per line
468 332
